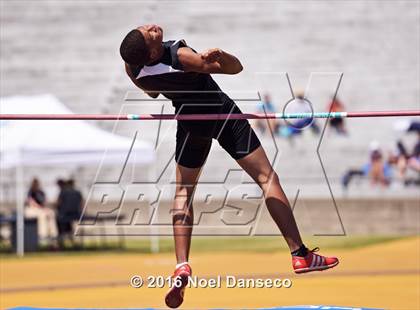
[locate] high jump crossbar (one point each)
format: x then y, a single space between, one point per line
204 117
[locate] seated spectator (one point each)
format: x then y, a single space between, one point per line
407 162
266 107
414 159
36 208
337 123
398 159
377 170
69 205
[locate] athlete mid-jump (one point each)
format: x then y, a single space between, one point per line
179 73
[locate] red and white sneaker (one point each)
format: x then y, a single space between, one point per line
313 262
175 295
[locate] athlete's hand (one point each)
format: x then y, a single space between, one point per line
212 55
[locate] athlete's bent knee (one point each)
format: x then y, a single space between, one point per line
267 178
184 194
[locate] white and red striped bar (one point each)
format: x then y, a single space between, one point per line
205 117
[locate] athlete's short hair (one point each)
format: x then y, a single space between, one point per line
133 49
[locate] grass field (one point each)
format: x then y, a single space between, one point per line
374 272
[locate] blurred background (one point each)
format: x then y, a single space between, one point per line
354 184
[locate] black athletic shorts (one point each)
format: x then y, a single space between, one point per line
194 138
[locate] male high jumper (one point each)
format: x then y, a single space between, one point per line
179 73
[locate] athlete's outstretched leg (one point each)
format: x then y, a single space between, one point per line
183 216
191 154
259 168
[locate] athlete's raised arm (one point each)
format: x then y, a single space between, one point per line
213 60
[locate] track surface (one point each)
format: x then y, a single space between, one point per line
382 276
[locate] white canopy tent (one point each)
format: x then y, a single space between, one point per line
57 143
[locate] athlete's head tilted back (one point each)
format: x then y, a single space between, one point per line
142 45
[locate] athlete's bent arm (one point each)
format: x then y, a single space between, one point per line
212 61
133 79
